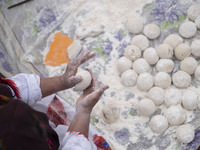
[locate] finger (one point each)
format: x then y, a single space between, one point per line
74 80
85 56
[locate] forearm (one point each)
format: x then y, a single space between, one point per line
80 123
51 85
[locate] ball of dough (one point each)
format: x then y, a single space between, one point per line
193 12
182 51
173 40
86 80
140 66
185 133
164 51
195 48
181 79
157 95
123 64
172 97
135 25
187 29
165 65
110 113
189 100
132 52
175 115
129 77
158 123
144 81
151 55
146 107
189 65
140 41
197 22
162 79
151 31
197 73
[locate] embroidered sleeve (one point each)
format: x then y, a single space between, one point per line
29 87
76 141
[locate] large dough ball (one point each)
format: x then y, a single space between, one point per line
132 52
187 29
140 41
146 107
181 79
172 97
189 65
193 12
144 81
175 115
151 31
165 65
140 66
195 48
197 22
182 51
110 113
158 123
185 133
157 95
86 80
129 77
173 40
189 100
164 51
135 25
151 55
162 79
123 64
197 73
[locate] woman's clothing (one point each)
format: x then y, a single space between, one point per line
59 113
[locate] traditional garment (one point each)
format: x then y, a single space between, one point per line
59 113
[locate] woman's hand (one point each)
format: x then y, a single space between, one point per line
68 79
91 95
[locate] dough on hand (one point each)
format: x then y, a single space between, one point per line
157 95
164 51
165 65
151 31
173 40
173 96
187 29
86 80
185 133
158 124
197 73
189 65
144 81
151 55
162 79
189 100
140 41
129 77
181 79
193 12
110 113
135 25
123 64
146 107
132 52
175 115
197 22
182 51
140 66
195 48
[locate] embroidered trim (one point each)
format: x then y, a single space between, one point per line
78 133
101 143
12 84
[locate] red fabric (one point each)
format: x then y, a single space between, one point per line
56 112
101 143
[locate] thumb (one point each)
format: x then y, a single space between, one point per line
74 80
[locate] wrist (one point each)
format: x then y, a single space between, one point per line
63 85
